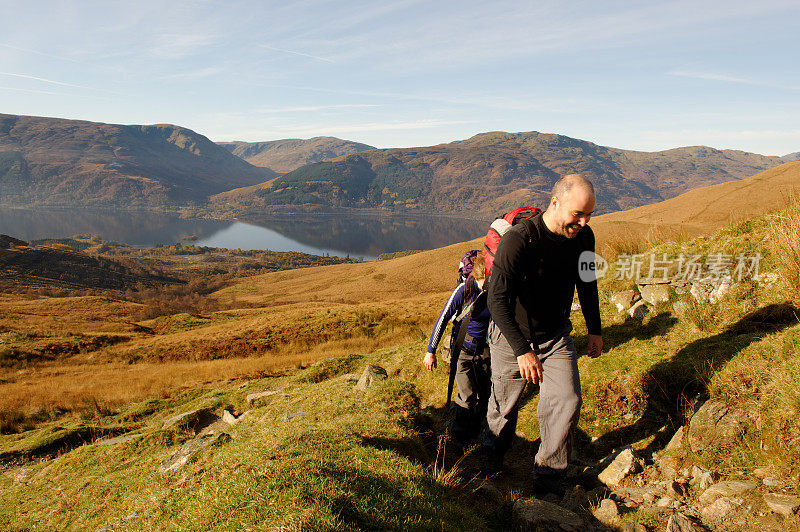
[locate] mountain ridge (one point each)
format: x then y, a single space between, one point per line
77 162
493 171
284 155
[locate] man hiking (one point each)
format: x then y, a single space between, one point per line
472 357
535 274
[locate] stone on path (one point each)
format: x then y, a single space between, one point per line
257 398
537 515
625 463
680 523
714 424
726 488
782 504
22 474
371 375
607 512
654 293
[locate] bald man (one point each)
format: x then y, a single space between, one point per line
536 272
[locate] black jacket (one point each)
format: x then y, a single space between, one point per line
533 282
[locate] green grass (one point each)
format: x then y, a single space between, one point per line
360 460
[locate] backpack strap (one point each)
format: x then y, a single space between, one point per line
533 237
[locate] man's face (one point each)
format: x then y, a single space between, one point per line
573 211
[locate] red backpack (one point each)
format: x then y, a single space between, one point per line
499 228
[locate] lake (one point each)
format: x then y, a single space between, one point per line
355 235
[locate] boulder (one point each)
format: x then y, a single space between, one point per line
654 293
258 398
625 299
782 504
638 311
607 513
715 425
625 463
727 488
536 515
680 523
371 375
294 415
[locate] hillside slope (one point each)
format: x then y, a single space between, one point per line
706 209
285 155
494 171
50 161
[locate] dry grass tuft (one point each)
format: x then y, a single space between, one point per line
784 236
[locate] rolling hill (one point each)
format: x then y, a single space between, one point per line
51 161
283 156
706 209
494 171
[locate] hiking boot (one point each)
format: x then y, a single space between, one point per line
544 484
492 465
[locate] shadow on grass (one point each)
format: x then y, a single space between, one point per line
630 329
670 383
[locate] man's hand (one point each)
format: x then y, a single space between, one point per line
429 361
530 367
595 348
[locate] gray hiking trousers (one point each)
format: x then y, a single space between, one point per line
559 398
474 385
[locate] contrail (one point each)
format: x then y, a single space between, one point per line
25 76
39 53
298 53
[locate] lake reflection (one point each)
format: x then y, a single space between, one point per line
342 234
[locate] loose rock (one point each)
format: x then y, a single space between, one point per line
229 418
625 299
782 504
727 488
533 515
720 508
371 375
680 523
625 463
607 512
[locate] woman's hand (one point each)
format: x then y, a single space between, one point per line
429 361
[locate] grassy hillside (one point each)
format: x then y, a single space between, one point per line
704 209
321 455
285 155
51 161
494 171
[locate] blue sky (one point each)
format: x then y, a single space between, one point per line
640 75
